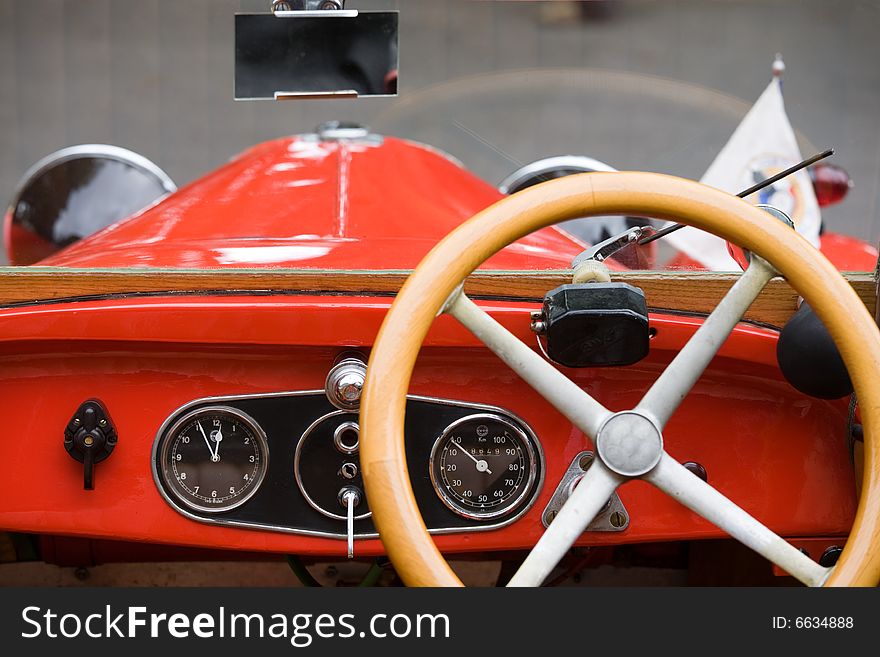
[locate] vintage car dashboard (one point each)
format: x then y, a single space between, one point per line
284 462
227 438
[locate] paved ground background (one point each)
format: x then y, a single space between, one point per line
156 76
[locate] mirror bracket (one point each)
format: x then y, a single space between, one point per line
313 8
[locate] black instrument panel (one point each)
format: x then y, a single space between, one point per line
311 456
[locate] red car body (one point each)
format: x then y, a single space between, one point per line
372 205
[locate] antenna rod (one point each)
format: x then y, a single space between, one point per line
748 192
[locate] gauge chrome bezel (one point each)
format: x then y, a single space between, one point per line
530 443
166 437
296 465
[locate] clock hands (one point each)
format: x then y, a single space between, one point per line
214 456
217 437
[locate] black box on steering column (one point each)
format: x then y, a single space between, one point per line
596 324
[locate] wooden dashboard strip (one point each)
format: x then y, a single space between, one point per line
691 292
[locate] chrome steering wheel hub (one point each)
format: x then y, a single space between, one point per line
629 443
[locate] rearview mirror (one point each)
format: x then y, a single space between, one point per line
337 54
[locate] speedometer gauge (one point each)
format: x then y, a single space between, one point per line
483 466
213 459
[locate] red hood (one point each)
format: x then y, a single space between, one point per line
301 202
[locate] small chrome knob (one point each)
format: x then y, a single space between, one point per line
349 386
345 382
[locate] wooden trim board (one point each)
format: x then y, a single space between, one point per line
678 291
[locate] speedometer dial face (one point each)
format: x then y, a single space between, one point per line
483 466
213 459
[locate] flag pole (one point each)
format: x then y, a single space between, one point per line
778 68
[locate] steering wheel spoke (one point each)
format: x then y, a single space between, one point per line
589 497
679 483
668 391
584 412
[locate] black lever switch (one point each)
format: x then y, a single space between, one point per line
89 438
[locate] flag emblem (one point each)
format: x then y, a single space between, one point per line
786 194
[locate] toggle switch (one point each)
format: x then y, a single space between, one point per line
349 498
89 438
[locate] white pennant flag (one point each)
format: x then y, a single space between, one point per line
762 145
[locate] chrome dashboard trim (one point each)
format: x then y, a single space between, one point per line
296 474
219 521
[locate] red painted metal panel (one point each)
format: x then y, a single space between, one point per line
777 453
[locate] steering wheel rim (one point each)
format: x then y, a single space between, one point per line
433 282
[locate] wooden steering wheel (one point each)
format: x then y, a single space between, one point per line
629 444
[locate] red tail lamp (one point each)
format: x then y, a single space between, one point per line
830 182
